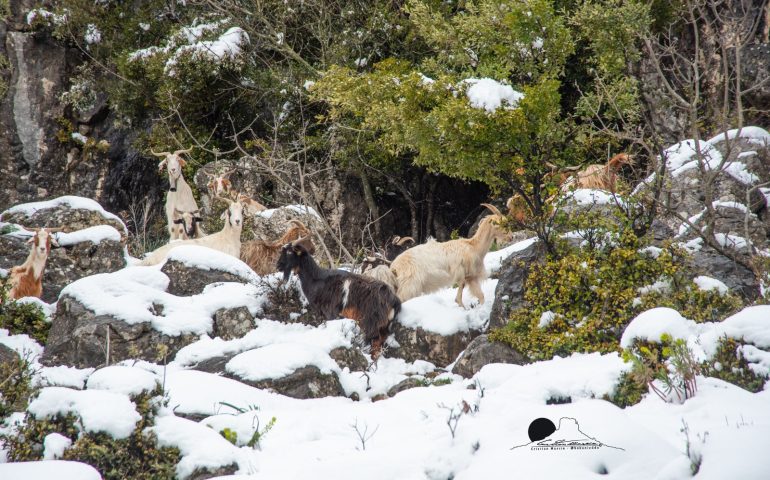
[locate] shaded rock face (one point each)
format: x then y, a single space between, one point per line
79 338
482 352
185 280
204 474
66 264
305 382
419 344
243 179
737 277
509 294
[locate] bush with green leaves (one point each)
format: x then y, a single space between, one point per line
583 299
16 385
668 368
137 457
19 317
729 364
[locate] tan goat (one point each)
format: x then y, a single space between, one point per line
435 265
262 255
600 177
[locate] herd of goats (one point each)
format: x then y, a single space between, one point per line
372 298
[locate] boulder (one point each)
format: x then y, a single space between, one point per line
243 179
69 212
352 358
272 224
81 338
304 382
420 344
232 323
406 384
187 279
509 293
482 352
740 280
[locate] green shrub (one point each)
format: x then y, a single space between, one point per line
627 392
666 367
137 457
729 365
583 300
27 318
15 386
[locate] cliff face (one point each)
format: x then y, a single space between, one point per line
39 158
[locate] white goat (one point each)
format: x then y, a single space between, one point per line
26 280
187 224
227 240
179 196
434 265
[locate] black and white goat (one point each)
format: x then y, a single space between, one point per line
337 293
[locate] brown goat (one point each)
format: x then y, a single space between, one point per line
597 176
27 279
262 255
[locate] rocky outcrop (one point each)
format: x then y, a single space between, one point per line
82 338
482 352
509 293
406 384
304 382
232 323
350 357
69 212
186 280
420 344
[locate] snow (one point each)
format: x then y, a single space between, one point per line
71 201
133 295
755 135
493 261
651 324
301 209
731 241
587 196
279 360
733 205
122 379
99 411
79 137
63 376
23 345
489 94
36 13
546 318
200 446
54 445
208 259
92 35
437 312
58 469
330 335
709 283
47 308
95 235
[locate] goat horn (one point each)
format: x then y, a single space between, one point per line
492 208
297 223
401 241
224 199
188 150
160 154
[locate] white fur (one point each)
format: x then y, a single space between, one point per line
182 199
227 240
345 293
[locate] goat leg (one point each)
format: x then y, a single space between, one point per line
459 298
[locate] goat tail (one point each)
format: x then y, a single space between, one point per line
376 322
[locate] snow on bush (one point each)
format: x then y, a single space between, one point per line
489 94
301 209
709 283
122 379
200 446
99 411
54 445
63 376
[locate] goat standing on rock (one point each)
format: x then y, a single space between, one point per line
179 196
371 303
27 279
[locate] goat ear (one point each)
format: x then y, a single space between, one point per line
182 162
224 214
197 218
162 165
54 242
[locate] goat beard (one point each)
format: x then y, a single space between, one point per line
172 185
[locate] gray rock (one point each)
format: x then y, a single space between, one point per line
419 344
305 382
352 358
215 364
231 323
205 473
185 280
79 338
406 384
66 264
243 179
738 278
63 215
509 293
482 352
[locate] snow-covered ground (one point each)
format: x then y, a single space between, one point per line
457 428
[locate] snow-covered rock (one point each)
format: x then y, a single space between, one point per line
59 469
